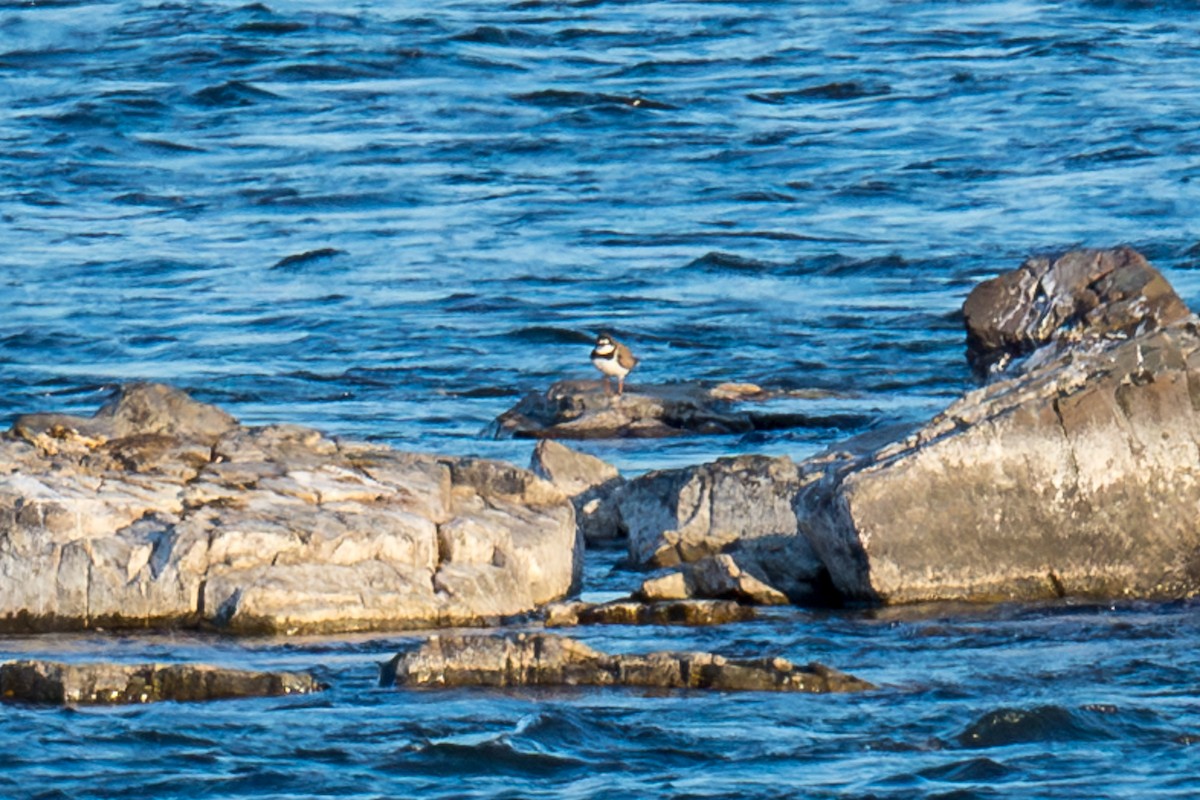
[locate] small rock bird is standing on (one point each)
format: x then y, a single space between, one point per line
614 360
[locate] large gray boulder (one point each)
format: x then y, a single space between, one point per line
1076 471
730 526
547 660
198 520
1077 475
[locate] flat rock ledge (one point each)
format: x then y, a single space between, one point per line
163 511
577 409
635 612
56 683
555 661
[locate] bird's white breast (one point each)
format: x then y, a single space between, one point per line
609 366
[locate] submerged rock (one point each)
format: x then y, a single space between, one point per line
582 410
56 683
195 519
675 611
548 660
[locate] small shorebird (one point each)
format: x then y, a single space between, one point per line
614 360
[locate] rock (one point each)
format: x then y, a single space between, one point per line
1079 475
589 482
201 521
683 515
632 612
581 410
136 409
1093 293
55 683
673 585
721 576
548 660
751 573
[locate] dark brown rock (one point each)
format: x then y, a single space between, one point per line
1095 293
582 410
55 683
547 660
633 612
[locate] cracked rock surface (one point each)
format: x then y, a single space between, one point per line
549 660
1077 475
56 683
161 510
577 409
1074 473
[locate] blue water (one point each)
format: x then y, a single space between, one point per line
392 220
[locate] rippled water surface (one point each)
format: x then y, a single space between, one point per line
392 220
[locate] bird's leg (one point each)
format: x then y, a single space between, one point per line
607 386
620 385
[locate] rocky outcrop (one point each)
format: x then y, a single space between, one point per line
547 660
1055 304
672 611
161 510
582 410
682 515
1079 475
591 484
56 683
1076 472
731 528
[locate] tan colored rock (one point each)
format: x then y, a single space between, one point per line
547 660
720 576
591 484
281 529
55 683
669 586
750 573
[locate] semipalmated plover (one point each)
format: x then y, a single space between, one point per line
614 360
